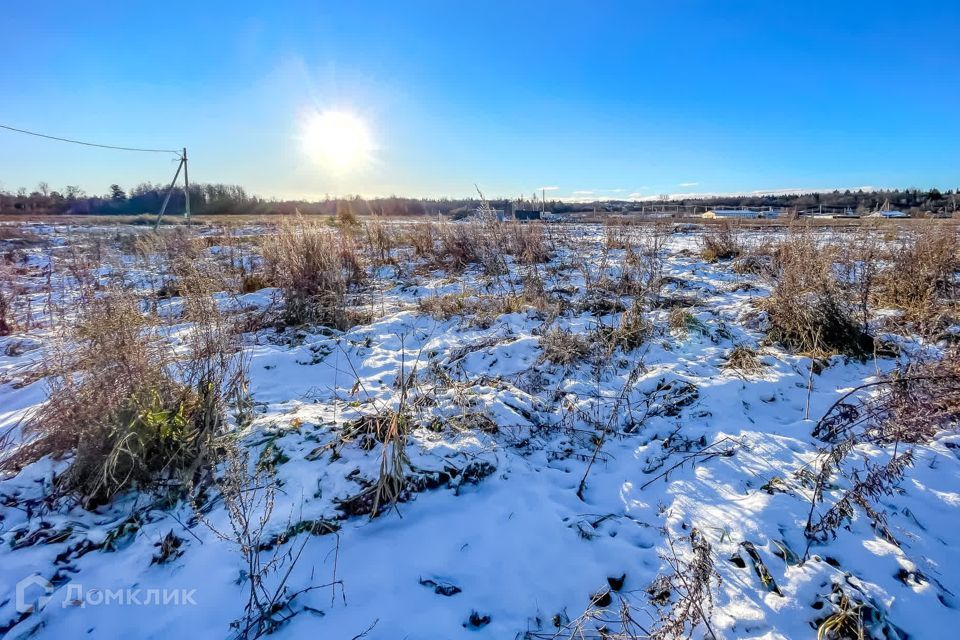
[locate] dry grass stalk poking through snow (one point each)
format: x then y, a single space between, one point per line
249 499
390 426
905 408
683 598
688 588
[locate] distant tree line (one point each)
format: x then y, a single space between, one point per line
917 200
213 199
205 199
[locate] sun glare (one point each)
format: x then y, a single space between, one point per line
338 141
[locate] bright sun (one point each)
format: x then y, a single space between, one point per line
337 140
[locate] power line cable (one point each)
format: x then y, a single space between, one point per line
88 144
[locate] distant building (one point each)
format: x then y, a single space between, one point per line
480 212
886 211
888 214
526 214
739 213
847 213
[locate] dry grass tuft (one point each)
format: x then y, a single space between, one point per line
6 323
617 236
720 242
808 309
743 359
388 429
683 321
527 242
634 329
315 266
484 309
757 262
921 279
487 243
251 282
125 410
464 243
381 239
169 244
564 347
390 426
422 237
642 273
448 305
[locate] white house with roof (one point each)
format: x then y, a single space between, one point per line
888 214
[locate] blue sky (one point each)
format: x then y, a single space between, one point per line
597 99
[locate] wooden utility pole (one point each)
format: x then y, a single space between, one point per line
173 183
186 186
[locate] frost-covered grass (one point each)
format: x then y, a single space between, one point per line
504 432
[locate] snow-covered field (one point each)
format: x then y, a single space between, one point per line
545 497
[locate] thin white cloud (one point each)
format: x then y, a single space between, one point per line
548 188
688 184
